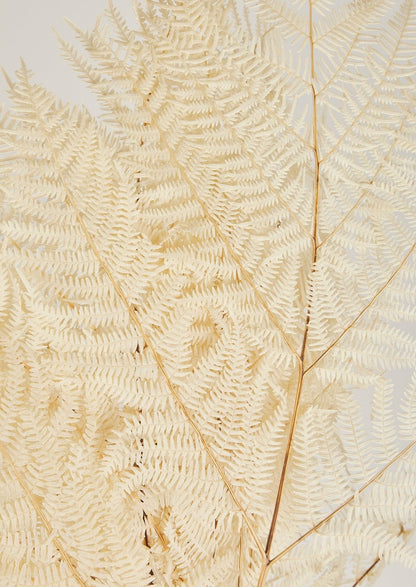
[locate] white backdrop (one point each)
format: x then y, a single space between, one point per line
26 31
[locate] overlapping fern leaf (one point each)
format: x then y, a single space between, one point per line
202 295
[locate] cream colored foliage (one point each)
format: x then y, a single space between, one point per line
202 293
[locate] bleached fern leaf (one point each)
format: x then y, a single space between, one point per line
203 293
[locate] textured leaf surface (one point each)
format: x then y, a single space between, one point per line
203 296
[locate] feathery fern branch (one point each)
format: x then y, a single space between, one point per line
202 294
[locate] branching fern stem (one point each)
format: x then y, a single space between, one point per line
207 214
301 371
364 309
172 388
71 199
380 81
366 190
372 480
220 234
342 63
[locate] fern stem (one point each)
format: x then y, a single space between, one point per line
312 51
380 81
364 309
374 478
240 558
263 574
302 372
366 572
71 200
41 515
285 464
370 183
375 563
220 233
132 311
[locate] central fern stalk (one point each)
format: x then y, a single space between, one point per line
301 357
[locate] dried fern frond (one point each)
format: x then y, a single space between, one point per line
203 294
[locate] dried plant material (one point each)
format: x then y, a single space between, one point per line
201 295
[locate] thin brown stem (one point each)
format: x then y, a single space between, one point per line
374 478
42 517
172 388
370 183
71 200
263 573
240 558
364 309
375 563
301 373
378 85
366 572
285 464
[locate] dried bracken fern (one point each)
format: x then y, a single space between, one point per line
202 293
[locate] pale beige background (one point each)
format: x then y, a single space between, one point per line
26 31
